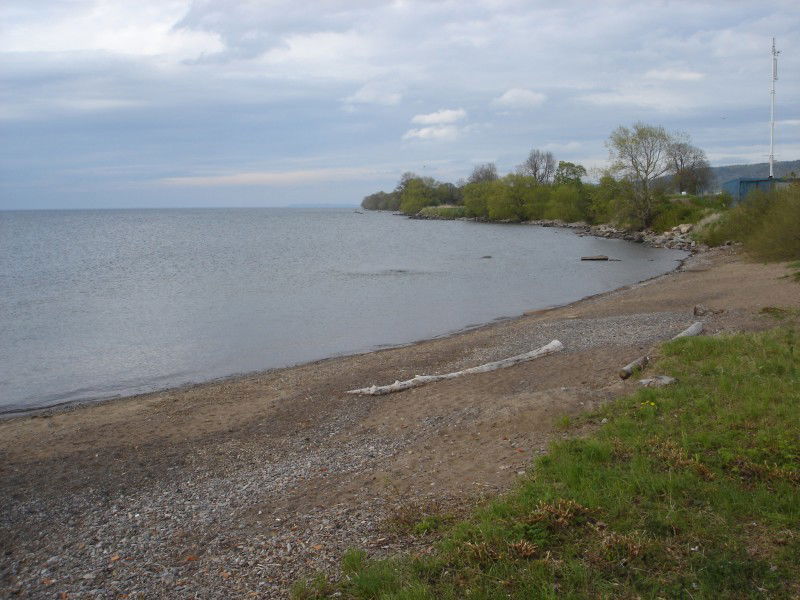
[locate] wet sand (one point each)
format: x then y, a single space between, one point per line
236 487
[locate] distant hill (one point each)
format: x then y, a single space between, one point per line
782 169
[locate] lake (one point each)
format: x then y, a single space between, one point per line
105 303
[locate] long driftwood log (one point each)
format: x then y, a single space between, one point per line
418 380
695 328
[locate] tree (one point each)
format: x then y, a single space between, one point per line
569 173
539 165
640 154
482 173
417 194
688 164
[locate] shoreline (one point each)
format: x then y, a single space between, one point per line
578 228
240 487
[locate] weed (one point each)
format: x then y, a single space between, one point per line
689 491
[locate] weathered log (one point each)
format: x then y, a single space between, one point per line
695 328
418 380
630 368
599 257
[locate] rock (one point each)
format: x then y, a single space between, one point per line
701 310
685 228
657 381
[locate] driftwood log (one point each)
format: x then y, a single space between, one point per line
398 386
630 368
695 328
599 257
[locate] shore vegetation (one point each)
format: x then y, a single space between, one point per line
655 180
767 223
686 491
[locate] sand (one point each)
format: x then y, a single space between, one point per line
239 486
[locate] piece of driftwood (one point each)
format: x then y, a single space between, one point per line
695 328
418 380
599 257
639 363
657 381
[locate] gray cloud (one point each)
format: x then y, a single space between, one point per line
99 95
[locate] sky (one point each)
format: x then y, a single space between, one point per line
177 103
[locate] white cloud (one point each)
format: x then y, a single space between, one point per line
519 98
649 98
434 132
144 29
276 178
670 74
440 117
373 93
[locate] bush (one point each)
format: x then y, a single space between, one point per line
768 223
445 211
566 204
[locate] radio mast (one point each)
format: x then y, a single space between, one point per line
775 53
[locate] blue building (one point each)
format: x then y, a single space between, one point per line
740 187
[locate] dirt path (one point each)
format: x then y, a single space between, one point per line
233 488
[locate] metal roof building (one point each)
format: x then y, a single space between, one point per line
740 187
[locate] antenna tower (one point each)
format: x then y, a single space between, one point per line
775 53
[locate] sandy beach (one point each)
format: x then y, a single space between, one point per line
237 487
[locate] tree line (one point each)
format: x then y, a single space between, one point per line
647 164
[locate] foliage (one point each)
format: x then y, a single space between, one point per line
567 203
688 491
444 211
688 165
381 201
686 209
640 154
417 194
513 198
569 173
476 198
768 223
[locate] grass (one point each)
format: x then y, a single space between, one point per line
444 211
687 209
767 223
688 491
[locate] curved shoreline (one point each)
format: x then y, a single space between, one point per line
237 488
82 403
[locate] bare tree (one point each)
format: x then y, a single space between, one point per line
640 154
688 165
484 172
540 165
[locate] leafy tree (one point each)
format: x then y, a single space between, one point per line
688 164
568 173
640 154
566 204
512 198
417 193
608 199
482 173
540 165
381 201
476 198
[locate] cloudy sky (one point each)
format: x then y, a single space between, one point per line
117 103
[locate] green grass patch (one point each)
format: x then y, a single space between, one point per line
444 212
686 209
689 491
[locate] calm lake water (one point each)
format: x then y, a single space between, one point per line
96 304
